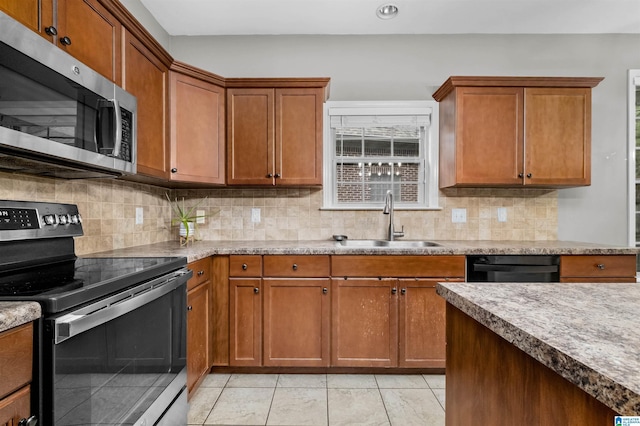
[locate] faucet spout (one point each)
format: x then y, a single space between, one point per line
388 209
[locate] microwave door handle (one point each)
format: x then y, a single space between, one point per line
118 129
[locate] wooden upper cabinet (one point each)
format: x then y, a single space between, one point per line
197 122
515 131
558 136
83 28
298 153
250 136
90 33
37 15
145 76
274 131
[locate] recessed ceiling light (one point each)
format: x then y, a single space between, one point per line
387 11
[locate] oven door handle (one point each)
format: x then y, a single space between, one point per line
74 323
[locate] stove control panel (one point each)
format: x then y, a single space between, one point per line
21 220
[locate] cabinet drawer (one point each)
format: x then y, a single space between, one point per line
245 266
296 266
598 266
16 355
397 266
201 272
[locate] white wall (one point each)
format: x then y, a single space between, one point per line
148 21
411 67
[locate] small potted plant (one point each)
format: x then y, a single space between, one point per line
186 217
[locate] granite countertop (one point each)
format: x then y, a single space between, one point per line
13 314
587 333
202 249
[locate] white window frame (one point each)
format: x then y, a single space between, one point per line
430 196
632 85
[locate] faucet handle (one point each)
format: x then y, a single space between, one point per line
399 233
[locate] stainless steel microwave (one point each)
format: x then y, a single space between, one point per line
58 117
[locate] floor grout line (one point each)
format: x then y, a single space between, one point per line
327 389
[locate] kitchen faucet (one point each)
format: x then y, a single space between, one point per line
388 209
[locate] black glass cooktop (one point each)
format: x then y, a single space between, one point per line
63 285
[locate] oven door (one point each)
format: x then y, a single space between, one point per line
120 360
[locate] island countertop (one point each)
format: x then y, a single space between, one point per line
201 249
586 333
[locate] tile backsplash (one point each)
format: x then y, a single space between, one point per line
108 208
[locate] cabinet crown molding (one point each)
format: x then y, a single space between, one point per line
480 81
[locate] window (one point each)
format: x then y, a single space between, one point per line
373 147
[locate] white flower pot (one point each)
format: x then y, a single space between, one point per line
184 238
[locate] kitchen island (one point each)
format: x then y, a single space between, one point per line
539 354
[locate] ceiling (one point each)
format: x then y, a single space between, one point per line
252 17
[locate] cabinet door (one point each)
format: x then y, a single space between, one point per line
198 301
296 322
33 14
245 321
197 130
15 407
145 77
488 135
421 324
94 36
364 323
298 136
250 137
558 136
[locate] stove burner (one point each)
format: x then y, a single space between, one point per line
39 280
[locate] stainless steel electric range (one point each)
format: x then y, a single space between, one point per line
111 345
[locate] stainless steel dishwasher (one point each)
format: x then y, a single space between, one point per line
513 268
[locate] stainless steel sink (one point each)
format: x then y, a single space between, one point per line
386 244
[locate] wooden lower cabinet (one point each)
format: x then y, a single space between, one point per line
421 324
598 268
364 330
307 311
16 365
198 323
15 407
296 318
245 322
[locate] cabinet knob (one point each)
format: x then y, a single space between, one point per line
244 266
270 175
520 175
31 421
529 175
394 290
325 290
403 291
65 40
256 290
200 273
51 30
174 170
600 265
277 175
189 308
295 267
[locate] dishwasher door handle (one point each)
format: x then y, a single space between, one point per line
525 269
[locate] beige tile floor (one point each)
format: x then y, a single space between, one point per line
319 399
